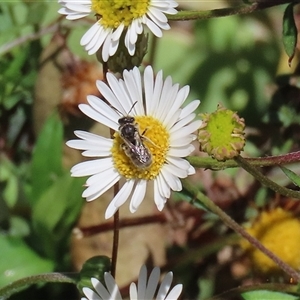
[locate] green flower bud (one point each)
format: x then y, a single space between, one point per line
221 134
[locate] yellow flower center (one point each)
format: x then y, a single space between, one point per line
156 139
279 231
112 13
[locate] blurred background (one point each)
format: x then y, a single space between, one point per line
237 61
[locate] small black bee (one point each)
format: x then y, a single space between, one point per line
133 145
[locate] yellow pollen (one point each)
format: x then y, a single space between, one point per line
156 139
112 13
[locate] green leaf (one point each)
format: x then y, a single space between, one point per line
267 295
36 12
289 31
10 181
55 213
292 176
18 260
94 267
47 157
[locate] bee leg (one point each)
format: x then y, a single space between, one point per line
147 139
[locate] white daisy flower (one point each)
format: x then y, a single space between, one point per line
144 290
162 136
116 17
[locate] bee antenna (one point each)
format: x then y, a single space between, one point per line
132 107
114 108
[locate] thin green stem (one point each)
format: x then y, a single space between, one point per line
213 164
201 199
20 284
115 240
278 287
153 50
224 12
265 180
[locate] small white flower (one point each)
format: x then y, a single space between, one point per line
145 290
116 17
167 134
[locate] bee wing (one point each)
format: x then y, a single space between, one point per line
130 146
138 148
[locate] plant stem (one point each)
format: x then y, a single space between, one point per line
278 287
266 181
20 284
211 206
213 164
224 12
115 243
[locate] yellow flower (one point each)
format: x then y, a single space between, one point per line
279 231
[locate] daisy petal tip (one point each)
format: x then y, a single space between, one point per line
94 281
132 209
161 206
110 211
191 170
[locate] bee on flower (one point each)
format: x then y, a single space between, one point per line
153 147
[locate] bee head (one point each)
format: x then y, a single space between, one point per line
126 120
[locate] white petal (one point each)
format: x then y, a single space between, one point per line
88 36
167 96
86 168
113 47
175 292
172 180
94 144
139 107
98 40
132 83
180 134
112 287
178 162
163 186
106 45
117 33
158 198
142 282
157 14
133 291
191 170
190 108
138 195
148 86
183 122
79 7
90 294
186 130
132 33
155 98
119 199
164 286
100 288
130 47
93 192
154 28
181 151
152 283
107 168
121 99
176 171
180 98
156 19
180 142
